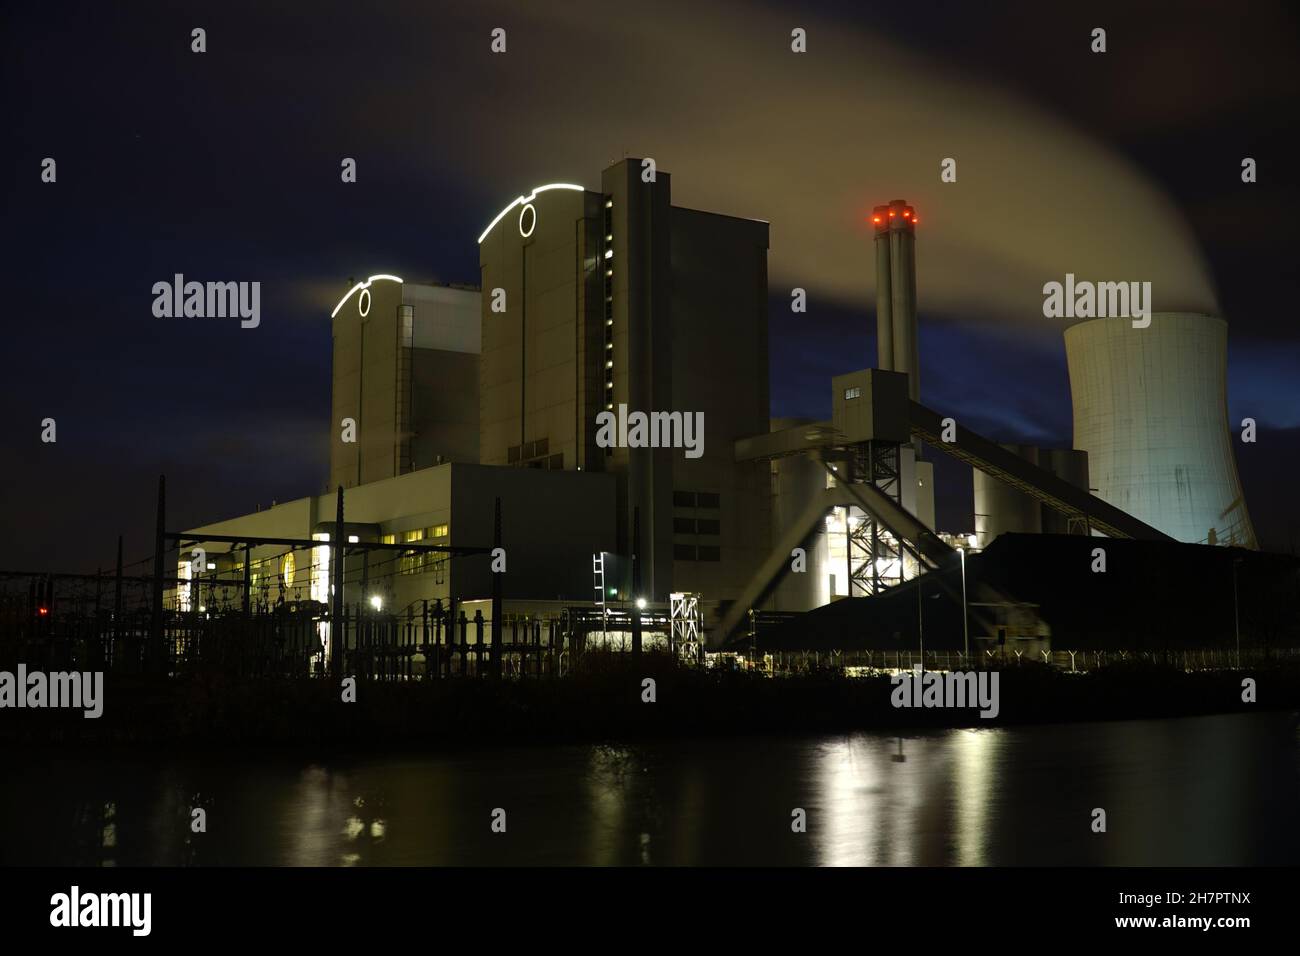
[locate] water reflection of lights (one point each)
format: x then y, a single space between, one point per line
859 804
319 812
975 758
607 772
873 809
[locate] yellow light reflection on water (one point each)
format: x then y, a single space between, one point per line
975 756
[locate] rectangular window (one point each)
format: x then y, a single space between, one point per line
683 552
415 534
388 539
707 526
683 499
854 392
683 526
437 531
709 552
708 499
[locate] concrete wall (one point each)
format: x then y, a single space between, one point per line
552 521
720 368
1150 410
528 371
444 414
412 395
642 288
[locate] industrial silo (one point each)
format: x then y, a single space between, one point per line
1150 409
999 507
796 480
1071 465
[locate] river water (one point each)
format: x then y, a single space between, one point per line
1203 791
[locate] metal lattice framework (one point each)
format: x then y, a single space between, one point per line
686 621
875 556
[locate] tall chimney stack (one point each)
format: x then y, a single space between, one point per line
896 339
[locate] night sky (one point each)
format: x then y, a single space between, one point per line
225 166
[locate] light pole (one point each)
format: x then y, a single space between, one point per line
1236 614
920 623
965 628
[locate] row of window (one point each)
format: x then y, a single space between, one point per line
422 564
691 552
527 451
416 535
694 499
696 526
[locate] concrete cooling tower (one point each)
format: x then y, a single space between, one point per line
1150 409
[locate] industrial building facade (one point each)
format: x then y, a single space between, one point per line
404 391
445 398
449 399
594 300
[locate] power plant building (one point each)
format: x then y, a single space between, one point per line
599 305
615 301
404 392
608 301
1150 410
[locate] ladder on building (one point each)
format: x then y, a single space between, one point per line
598 579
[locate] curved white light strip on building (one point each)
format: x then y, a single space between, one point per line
523 199
361 285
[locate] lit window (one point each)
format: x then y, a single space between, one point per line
415 534
388 539
854 392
